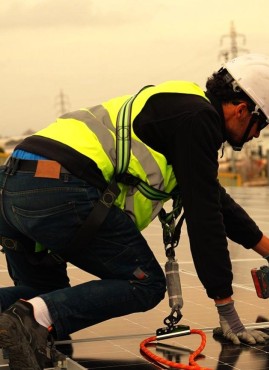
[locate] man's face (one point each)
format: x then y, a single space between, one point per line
237 121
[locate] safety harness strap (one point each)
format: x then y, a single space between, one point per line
94 220
148 191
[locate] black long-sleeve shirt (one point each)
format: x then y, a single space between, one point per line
188 130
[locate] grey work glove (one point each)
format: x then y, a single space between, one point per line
234 330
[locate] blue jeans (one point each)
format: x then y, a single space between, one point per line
50 211
29 279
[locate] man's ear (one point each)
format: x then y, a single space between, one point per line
241 109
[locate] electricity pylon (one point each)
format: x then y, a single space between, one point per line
234 49
230 53
62 103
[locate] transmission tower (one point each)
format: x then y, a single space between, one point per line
230 53
234 49
62 103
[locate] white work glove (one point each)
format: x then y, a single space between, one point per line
233 329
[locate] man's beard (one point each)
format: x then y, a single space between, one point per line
234 143
237 145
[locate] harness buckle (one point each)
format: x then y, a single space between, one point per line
9 243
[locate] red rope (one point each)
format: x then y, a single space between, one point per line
192 364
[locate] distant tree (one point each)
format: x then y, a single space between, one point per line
29 132
13 142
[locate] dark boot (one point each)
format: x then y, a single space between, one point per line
25 340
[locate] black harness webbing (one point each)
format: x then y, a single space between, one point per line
96 217
94 220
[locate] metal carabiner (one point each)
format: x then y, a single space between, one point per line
171 320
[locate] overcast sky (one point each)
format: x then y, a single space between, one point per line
93 50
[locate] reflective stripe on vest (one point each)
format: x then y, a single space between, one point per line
92 132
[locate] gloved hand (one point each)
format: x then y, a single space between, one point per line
234 330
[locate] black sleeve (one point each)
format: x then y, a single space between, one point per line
194 149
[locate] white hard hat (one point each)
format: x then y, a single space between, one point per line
251 74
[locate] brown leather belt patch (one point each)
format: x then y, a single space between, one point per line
48 169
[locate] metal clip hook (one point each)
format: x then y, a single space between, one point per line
172 319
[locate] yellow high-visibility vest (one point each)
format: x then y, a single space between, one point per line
92 132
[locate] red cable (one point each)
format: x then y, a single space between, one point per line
192 364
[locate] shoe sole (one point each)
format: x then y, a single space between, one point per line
13 338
